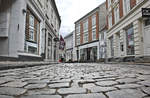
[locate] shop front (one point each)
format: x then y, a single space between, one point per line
88 54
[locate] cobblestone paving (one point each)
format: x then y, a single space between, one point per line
85 80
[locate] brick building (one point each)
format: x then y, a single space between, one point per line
87 30
128 32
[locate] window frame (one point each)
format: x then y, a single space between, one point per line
117 15
110 20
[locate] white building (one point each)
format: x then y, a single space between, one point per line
23 24
69 47
128 33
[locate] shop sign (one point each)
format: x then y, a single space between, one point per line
146 12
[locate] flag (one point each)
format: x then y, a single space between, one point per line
61 43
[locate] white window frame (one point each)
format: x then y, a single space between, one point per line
31 20
110 20
85 36
85 25
85 31
31 34
109 3
78 34
31 27
93 21
94 34
126 6
116 11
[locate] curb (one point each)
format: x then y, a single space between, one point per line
6 67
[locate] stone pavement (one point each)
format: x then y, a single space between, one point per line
84 80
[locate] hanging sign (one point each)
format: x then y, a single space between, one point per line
146 12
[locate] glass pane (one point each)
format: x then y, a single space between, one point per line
31 21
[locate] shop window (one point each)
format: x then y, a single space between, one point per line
130 41
111 46
94 50
147 22
32 50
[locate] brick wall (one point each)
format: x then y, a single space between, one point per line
107 15
113 18
97 25
132 3
121 8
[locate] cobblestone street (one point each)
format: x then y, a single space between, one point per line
85 80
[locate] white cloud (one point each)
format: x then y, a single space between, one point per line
72 10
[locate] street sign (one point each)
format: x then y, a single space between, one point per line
145 12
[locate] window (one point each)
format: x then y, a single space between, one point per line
109 3
111 46
116 14
93 20
85 31
78 34
94 27
102 36
31 20
32 31
52 15
32 50
110 20
31 34
130 41
126 6
33 28
85 37
147 22
94 34
85 26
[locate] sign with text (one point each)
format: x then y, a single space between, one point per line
146 12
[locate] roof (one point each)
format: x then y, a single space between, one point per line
90 12
55 8
70 34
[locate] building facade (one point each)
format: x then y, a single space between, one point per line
23 24
128 32
69 47
87 31
50 34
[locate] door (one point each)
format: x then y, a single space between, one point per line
147 41
112 46
146 38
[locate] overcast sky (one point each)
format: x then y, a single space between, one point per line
72 10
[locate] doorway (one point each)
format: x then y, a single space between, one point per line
146 37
